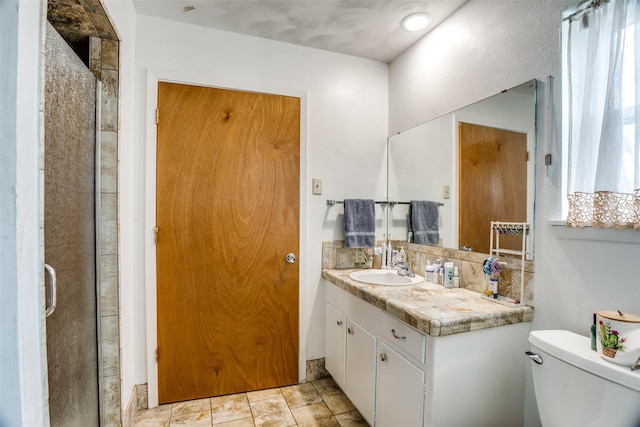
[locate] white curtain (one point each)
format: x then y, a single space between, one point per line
604 115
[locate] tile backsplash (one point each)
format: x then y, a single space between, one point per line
336 256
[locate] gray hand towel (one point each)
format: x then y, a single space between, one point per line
359 223
423 217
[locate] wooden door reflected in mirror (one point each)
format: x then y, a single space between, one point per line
493 182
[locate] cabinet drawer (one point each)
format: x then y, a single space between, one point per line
403 337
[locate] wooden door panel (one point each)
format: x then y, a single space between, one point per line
227 214
493 184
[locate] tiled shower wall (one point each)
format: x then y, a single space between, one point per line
336 256
104 61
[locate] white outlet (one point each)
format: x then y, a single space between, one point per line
446 192
316 186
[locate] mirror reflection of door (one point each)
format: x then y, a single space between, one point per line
492 184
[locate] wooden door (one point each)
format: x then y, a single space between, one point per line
493 184
227 215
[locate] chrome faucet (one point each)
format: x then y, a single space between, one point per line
404 270
636 365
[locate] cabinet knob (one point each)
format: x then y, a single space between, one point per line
349 330
383 357
339 322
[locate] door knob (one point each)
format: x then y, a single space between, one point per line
291 258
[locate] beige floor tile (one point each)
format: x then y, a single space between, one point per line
301 395
192 419
152 422
229 408
190 407
271 393
272 413
159 416
351 419
316 415
336 400
245 422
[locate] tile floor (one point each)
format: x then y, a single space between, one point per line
318 403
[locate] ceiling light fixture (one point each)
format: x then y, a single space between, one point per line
415 21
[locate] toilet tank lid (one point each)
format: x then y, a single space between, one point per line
576 350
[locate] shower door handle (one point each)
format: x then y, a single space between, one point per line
51 299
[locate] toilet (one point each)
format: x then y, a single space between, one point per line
574 386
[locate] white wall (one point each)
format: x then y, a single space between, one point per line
486 47
22 348
344 131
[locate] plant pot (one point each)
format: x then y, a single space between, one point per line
618 337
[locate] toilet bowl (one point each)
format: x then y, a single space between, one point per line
574 386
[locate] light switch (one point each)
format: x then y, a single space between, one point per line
316 186
446 193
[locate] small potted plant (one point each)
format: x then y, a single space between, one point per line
610 339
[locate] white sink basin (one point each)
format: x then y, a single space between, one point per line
384 278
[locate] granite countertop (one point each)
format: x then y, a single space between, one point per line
433 309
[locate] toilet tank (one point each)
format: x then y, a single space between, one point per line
574 386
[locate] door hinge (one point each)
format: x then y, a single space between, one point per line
155 235
527 156
424 388
157 356
157 115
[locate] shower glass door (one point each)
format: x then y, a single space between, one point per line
70 234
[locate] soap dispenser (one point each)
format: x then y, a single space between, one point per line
456 277
402 256
448 274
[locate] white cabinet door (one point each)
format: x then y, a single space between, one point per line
335 342
400 395
361 369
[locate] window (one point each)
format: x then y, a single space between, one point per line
601 105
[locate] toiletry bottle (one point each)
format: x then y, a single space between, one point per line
440 275
493 285
448 274
456 277
402 256
428 274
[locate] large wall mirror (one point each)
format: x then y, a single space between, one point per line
478 162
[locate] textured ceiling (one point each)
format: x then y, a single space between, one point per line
369 29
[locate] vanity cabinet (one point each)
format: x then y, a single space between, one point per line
400 390
397 375
361 369
385 386
350 357
335 327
